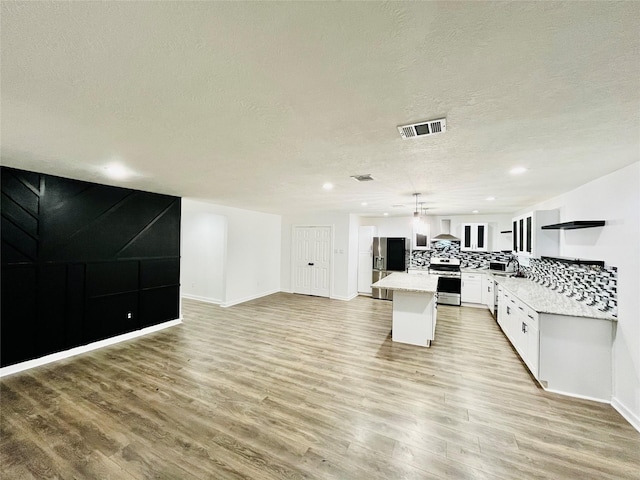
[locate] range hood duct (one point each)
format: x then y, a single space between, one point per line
445 229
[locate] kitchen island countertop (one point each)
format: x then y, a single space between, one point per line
409 283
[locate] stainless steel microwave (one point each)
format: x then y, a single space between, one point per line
506 267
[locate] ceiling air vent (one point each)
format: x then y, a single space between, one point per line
425 128
362 178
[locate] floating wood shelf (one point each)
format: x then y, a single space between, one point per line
576 261
574 225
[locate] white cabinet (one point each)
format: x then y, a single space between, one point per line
488 297
530 240
503 297
420 234
475 237
566 354
526 336
533 349
520 325
471 287
414 317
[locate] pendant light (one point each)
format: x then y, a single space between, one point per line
416 214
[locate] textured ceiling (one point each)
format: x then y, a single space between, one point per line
257 104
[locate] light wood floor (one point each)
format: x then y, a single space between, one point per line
290 386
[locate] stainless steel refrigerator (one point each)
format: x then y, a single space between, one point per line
390 254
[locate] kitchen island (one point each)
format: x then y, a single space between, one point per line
414 307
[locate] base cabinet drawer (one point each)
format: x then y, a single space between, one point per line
517 322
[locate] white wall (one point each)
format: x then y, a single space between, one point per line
403 227
252 266
344 283
614 198
203 249
390 226
354 225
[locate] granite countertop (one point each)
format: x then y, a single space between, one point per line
409 283
544 300
539 298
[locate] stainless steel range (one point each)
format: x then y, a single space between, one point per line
449 281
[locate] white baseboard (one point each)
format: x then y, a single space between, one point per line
246 299
202 299
54 357
628 415
474 305
575 395
346 299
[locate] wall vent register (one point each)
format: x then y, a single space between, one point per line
362 178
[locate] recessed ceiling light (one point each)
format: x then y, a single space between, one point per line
327 186
364 204
475 211
385 214
490 199
517 170
117 171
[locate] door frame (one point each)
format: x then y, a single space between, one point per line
292 254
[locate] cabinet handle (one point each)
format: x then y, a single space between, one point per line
530 316
310 264
521 308
508 310
524 327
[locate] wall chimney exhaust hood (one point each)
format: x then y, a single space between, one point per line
445 229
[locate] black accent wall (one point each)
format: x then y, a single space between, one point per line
82 262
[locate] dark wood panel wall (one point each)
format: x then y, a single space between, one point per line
83 262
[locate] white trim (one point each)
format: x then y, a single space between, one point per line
574 395
54 357
246 299
346 299
473 305
201 299
628 415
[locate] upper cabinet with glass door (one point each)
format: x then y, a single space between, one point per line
420 234
530 240
475 237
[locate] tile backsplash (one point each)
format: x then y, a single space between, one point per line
421 258
590 284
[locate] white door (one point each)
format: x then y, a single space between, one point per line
312 261
301 260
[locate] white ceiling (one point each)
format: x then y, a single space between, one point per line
256 105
